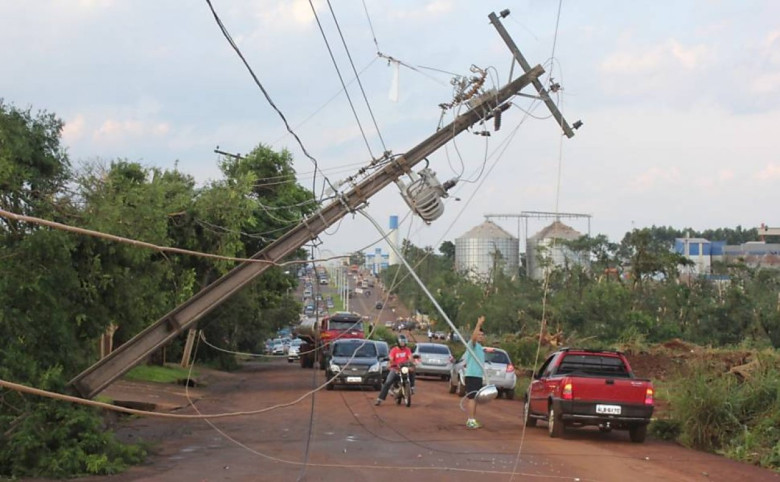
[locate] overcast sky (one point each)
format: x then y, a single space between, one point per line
680 100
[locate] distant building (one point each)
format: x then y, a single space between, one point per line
754 253
546 245
377 261
698 250
483 248
704 253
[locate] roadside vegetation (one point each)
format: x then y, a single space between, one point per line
160 374
61 291
633 296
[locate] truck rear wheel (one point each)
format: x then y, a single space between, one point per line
637 433
554 424
529 421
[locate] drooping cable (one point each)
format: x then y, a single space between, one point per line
548 272
397 61
420 283
232 43
555 36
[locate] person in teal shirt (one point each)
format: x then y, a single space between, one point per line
474 373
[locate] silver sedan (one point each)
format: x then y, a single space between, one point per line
498 367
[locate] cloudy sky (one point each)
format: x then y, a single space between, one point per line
680 100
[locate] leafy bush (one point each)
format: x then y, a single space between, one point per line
724 414
59 440
522 350
384 333
51 438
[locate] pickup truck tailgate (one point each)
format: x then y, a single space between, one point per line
612 390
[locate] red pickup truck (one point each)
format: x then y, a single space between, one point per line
577 387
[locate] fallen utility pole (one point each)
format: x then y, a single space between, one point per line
97 377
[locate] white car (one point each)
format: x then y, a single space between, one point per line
499 370
278 348
294 352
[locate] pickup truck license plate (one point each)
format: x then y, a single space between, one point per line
358 380
608 409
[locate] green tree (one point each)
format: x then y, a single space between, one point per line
34 168
43 321
447 249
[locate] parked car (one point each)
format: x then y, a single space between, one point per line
499 370
378 305
435 359
353 362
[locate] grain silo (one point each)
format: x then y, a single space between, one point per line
546 243
482 248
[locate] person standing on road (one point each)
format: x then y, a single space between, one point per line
398 354
474 373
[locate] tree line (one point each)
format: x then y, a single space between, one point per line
623 291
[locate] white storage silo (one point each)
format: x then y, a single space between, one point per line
547 244
484 247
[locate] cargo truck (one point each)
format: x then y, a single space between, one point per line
317 334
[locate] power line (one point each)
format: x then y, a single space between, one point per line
319 109
137 243
228 37
555 36
349 56
370 25
399 62
341 79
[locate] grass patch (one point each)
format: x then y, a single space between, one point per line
718 412
160 374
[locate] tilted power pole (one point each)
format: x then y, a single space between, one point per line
97 377
543 94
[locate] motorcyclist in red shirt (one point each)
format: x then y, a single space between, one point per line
399 354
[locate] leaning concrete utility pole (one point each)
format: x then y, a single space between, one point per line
98 376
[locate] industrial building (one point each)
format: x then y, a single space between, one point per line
704 253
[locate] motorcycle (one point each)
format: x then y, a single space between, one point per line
402 388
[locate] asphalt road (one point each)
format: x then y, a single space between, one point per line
341 436
365 304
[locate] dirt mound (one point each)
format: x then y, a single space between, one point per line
676 358
677 344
